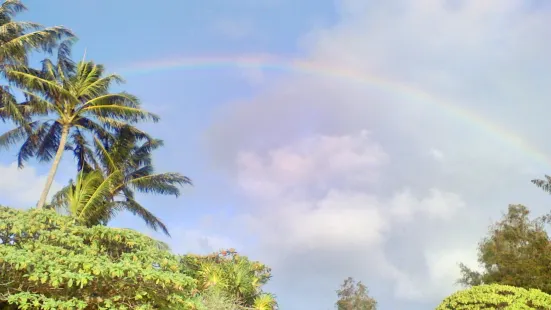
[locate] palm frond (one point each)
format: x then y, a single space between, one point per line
129 114
64 62
38 106
49 142
10 109
104 157
83 152
162 183
149 218
10 8
94 88
15 135
8 29
91 198
25 79
14 49
49 70
118 99
32 144
96 129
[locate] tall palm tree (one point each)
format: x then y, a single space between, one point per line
126 164
66 100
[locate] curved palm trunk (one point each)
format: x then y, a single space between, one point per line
55 165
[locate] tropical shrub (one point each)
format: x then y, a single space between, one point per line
496 296
48 261
231 275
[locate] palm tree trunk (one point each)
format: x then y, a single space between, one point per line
55 165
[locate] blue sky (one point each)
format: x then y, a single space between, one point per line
319 177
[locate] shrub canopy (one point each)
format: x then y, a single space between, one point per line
496 296
48 261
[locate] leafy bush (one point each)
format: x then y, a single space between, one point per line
496 296
226 273
47 261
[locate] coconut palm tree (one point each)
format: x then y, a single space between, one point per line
125 163
66 100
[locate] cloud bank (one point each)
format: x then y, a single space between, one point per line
21 188
343 179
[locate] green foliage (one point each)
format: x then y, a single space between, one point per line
354 296
496 296
120 167
517 252
231 275
88 200
17 39
47 261
214 299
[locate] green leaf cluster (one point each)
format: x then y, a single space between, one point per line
354 296
495 296
48 261
516 252
230 275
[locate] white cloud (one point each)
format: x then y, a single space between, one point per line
312 180
303 166
22 187
307 197
436 154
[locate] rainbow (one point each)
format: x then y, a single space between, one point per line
268 62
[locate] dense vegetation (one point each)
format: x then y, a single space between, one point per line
516 252
496 296
62 254
50 262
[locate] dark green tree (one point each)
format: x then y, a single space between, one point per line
516 252
354 296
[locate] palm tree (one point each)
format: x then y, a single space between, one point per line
17 39
66 100
124 162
